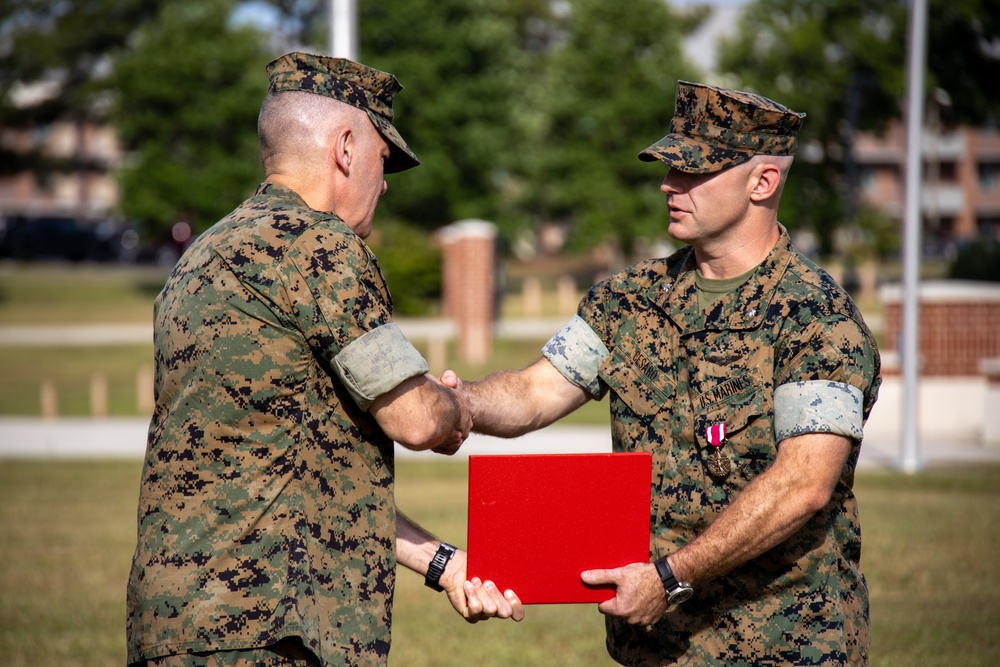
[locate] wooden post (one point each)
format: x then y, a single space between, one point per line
437 354
144 390
98 396
531 296
566 295
49 400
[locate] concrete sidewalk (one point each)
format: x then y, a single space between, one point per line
126 438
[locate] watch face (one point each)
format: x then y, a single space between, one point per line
680 595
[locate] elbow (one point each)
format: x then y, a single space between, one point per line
417 434
815 498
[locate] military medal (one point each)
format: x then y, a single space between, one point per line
718 465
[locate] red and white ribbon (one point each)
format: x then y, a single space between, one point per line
716 434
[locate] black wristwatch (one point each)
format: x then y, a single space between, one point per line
677 591
434 571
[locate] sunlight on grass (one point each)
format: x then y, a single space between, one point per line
77 294
67 530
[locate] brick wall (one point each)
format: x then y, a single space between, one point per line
469 257
959 327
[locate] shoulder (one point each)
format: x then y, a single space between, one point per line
808 293
275 223
641 276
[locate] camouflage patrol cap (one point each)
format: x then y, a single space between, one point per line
714 128
349 82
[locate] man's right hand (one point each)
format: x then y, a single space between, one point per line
423 413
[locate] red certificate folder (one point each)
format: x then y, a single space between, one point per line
537 521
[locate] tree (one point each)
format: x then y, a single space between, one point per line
462 70
523 115
607 93
843 63
189 90
61 48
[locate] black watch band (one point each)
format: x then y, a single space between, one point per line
677 591
434 571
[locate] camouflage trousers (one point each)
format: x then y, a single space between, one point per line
289 652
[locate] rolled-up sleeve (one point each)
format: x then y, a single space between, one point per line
818 406
577 352
376 362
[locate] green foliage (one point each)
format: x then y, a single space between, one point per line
874 235
608 93
462 70
411 263
977 261
189 91
843 63
525 116
62 43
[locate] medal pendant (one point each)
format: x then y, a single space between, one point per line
718 465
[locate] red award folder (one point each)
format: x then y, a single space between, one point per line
537 521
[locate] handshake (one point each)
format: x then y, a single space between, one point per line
460 413
437 414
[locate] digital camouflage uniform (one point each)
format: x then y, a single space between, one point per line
787 353
266 503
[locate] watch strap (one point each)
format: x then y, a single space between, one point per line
670 582
677 591
434 571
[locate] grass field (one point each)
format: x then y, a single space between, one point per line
67 533
55 294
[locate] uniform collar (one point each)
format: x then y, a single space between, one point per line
279 191
677 295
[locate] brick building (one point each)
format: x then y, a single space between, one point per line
78 179
960 197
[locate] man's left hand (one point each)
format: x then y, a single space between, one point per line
639 596
474 599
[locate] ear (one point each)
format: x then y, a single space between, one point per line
765 181
342 150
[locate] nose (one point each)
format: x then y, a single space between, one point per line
669 184
666 187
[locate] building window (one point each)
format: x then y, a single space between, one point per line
866 179
946 172
988 177
989 229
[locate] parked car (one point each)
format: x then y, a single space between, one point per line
29 238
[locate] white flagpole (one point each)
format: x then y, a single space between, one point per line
344 29
910 462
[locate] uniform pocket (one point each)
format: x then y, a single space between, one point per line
740 401
749 441
634 378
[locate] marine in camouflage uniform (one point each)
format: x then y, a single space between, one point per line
266 508
782 354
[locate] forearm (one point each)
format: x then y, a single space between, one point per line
511 403
772 508
415 547
421 413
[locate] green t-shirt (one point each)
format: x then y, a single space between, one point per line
709 289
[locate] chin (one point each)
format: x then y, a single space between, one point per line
676 231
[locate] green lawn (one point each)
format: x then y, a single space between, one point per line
55 294
67 532
77 293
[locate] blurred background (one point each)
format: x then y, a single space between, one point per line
128 127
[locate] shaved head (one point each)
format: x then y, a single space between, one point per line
295 129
